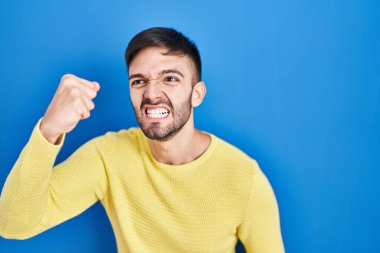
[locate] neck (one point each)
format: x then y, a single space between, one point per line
188 144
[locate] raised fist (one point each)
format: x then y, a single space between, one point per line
71 102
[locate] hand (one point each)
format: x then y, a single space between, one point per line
71 102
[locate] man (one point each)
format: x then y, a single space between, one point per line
166 186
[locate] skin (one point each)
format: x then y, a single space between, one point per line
151 87
71 103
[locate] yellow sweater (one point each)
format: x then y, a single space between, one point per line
201 206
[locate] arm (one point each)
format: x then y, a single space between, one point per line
260 230
37 196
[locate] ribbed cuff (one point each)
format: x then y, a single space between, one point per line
38 140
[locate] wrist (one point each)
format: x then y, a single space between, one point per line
50 135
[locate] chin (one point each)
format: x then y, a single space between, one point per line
155 132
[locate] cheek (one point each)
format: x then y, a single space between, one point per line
178 93
135 98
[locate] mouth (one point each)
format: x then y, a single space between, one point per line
156 113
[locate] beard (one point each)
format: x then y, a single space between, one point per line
155 130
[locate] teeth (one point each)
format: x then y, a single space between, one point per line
157 113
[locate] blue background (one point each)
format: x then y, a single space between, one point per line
295 84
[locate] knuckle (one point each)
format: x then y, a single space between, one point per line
67 77
83 113
74 92
92 94
78 103
92 105
87 114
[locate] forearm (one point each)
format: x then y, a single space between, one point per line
25 194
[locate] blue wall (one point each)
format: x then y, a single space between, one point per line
295 84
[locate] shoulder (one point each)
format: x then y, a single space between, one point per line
231 154
242 172
247 170
130 136
234 164
131 133
117 139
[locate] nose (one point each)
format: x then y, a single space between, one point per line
153 91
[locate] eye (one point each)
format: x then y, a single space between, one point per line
137 82
171 79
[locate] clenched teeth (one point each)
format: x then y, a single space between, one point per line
157 113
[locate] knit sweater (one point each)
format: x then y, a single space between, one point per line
202 206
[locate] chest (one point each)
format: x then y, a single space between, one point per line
192 203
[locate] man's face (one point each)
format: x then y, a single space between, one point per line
161 89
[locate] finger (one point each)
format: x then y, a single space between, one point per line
89 92
85 115
97 86
90 84
89 104
73 77
82 110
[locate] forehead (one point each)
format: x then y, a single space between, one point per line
151 60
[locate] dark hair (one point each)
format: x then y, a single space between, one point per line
173 40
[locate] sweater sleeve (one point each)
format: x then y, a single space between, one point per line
38 195
260 230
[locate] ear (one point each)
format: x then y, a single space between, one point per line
199 92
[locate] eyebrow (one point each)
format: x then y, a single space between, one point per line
166 71
172 71
135 75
